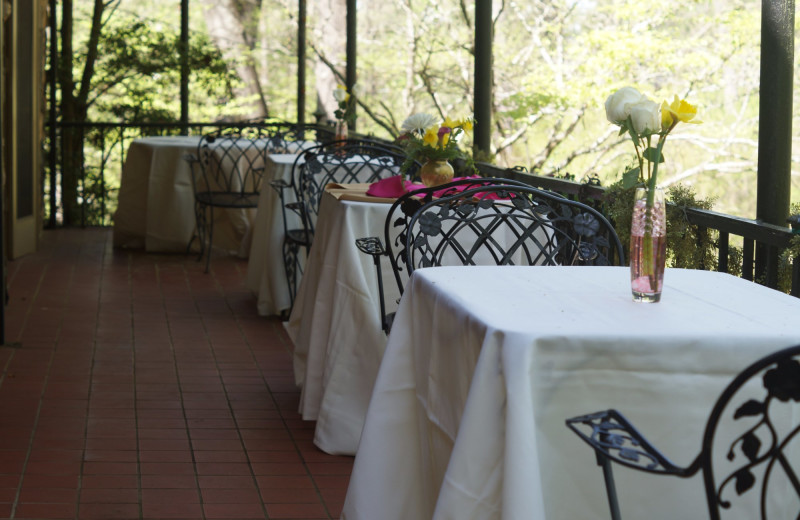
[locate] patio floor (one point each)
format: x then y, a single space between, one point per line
136 386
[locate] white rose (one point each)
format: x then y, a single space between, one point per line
356 90
646 116
339 94
618 104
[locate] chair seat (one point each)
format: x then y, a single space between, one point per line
227 199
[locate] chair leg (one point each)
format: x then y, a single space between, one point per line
210 239
199 232
290 265
611 488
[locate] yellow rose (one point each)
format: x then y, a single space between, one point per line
679 109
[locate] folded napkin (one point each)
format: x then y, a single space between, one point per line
392 187
354 192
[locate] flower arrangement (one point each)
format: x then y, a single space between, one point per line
347 104
643 119
424 138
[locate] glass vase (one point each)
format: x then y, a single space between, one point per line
435 173
648 251
340 131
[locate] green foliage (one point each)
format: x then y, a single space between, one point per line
138 73
688 246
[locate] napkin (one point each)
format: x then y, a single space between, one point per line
392 187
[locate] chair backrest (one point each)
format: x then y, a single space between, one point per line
494 222
232 161
342 162
750 447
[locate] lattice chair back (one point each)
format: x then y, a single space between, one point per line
498 224
230 166
750 449
345 162
488 221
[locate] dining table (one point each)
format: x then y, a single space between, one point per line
266 275
156 199
335 323
484 365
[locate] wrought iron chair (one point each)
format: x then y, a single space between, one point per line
758 464
227 173
488 222
341 162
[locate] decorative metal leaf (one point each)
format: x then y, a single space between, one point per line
420 241
587 252
629 454
521 202
750 408
750 446
744 480
465 209
485 203
399 222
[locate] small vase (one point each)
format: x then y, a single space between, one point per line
435 173
340 131
648 251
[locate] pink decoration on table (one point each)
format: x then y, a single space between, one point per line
393 187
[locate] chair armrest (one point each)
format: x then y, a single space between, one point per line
614 437
371 246
374 247
279 185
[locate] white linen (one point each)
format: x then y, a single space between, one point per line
266 275
156 201
484 364
335 324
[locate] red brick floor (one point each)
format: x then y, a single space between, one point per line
136 386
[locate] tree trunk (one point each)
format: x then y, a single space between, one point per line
74 107
233 25
331 33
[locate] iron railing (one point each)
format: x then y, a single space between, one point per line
101 156
762 243
105 145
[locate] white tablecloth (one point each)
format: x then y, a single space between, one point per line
484 364
335 324
156 200
266 275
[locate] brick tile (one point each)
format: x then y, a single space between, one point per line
305 511
164 511
110 496
49 511
169 481
290 495
234 511
230 496
109 512
170 496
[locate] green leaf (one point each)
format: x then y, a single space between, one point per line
630 178
651 153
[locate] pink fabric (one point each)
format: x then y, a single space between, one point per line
391 187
